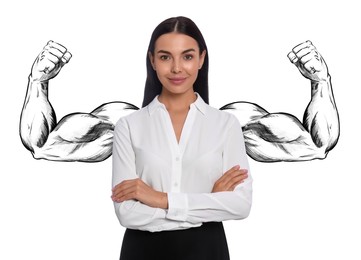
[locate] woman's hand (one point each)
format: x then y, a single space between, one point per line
230 179
136 189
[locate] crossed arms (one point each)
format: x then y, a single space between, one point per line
269 137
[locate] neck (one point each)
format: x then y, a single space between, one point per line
177 102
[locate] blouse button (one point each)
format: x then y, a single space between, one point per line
177 159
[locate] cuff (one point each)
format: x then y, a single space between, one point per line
177 206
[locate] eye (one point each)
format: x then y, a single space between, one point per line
164 57
188 57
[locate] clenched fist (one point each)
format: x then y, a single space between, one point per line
309 62
49 62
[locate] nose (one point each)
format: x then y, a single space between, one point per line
176 67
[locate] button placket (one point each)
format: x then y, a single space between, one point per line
177 173
177 149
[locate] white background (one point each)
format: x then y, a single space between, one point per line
52 210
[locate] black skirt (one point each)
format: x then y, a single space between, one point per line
207 242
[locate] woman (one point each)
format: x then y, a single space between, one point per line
179 166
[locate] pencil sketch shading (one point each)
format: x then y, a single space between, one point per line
269 137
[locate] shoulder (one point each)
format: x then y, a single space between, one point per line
137 117
222 117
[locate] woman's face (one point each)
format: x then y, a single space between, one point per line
176 61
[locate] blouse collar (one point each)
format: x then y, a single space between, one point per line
156 104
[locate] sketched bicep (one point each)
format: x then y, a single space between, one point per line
81 127
279 137
280 127
78 137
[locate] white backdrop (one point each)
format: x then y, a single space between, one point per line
52 210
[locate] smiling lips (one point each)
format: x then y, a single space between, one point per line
177 80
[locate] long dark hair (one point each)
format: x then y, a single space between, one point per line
186 26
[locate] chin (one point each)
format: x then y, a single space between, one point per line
179 91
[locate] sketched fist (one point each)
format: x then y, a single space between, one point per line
49 62
309 61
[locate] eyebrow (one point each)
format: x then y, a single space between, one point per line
167 52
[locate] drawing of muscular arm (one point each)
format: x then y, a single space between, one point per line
269 137
273 137
85 137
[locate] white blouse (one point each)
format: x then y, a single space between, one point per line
145 146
